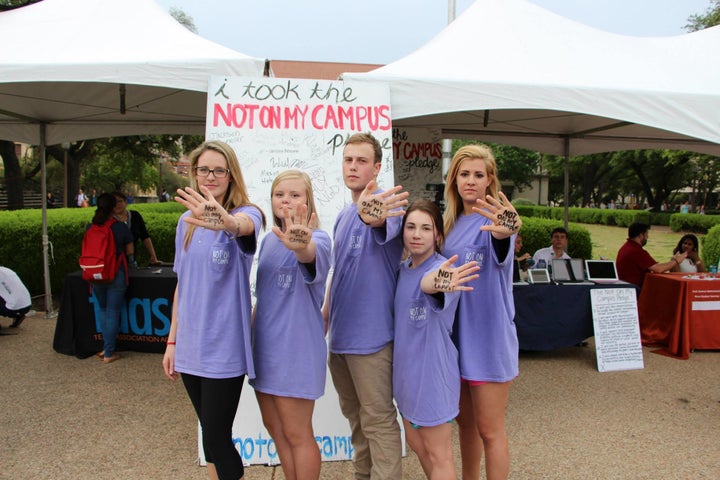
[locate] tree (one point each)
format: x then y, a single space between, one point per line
13 175
710 18
183 19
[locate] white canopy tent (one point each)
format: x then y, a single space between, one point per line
508 71
73 70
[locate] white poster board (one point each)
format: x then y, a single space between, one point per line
276 124
617 329
418 162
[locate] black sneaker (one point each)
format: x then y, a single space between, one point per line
18 321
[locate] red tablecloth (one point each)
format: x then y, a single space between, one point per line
680 313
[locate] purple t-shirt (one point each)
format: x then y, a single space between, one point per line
426 377
486 335
214 303
289 349
363 284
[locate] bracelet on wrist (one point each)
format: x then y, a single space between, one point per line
361 219
676 261
170 343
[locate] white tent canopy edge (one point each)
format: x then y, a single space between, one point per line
103 68
511 72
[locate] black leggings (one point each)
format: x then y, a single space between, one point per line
216 401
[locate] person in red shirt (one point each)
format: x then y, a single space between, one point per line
633 261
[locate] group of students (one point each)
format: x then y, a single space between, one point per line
434 331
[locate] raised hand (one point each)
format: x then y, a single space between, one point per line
450 279
205 211
297 230
374 209
505 219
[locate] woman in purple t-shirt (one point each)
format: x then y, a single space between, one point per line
209 339
289 349
480 223
426 378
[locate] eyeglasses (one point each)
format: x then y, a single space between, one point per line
217 172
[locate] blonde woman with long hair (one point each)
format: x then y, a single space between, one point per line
480 224
289 346
209 339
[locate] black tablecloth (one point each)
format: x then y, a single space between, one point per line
145 320
550 316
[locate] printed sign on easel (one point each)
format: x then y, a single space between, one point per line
617 329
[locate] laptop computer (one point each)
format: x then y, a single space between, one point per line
568 271
602 271
538 275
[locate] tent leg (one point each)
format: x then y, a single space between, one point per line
567 180
49 309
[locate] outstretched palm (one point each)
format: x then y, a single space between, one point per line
452 279
297 227
205 210
374 209
505 219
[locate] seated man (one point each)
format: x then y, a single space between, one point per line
633 261
15 299
559 241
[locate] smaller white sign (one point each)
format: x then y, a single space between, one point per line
617 329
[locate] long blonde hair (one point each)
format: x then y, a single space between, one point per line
236 194
295 175
453 201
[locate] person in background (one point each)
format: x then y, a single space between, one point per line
209 338
136 224
557 248
426 376
633 261
50 200
690 246
93 198
15 301
366 251
522 261
111 296
480 223
289 348
81 199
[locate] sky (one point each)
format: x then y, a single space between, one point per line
382 31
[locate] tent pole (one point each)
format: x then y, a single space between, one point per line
566 148
49 310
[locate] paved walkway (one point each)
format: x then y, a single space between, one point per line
73 419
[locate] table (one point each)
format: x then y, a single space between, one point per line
680 312
550 316
145 318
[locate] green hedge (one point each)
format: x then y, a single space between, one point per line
693 222
621 218
710 249
21 240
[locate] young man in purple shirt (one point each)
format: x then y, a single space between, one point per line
366 252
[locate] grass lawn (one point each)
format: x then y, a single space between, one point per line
606 240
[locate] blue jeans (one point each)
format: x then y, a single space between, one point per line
111 298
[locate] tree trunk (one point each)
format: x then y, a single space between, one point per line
13 175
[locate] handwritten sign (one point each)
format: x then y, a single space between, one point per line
276 124
617 329
418 161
